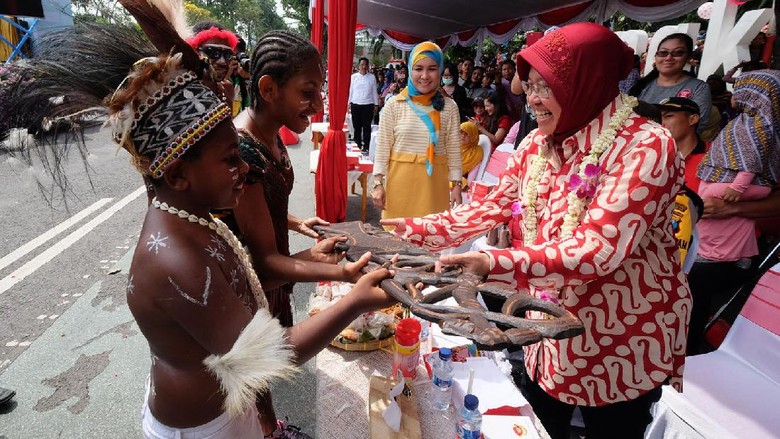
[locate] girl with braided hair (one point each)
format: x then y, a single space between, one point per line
191 289
286 79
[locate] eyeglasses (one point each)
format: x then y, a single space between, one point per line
216 52
675 53
541 90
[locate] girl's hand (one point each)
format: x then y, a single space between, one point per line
323 251
352 271
731 196
378 197
305 226
366 294
398 224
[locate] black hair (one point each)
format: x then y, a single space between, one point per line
508 61
280 54
451 68
363 58
206 25
498 101
241 46
684 38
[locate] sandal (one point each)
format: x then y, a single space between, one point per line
6 395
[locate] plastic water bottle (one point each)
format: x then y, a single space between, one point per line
469 424
442 379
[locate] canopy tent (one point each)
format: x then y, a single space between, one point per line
407 22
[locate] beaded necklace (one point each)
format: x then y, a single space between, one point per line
225 233
576 200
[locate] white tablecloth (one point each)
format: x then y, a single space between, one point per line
342 397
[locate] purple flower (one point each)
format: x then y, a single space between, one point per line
518 208
547 297
585 187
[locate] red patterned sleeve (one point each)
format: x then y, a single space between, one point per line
451 228
634 199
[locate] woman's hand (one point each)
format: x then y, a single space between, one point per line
456 196
378 196
352 270
472 262
731 196
305 227
398 225
324 251
718 208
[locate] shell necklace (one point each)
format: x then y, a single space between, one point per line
225 233
577 201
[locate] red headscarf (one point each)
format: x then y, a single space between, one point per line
582 63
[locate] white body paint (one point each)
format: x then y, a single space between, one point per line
206 290
155 242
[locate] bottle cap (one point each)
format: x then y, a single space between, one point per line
471 402
407 332
445 353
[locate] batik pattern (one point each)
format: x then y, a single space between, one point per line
619 273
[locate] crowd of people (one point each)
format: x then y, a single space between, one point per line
590 194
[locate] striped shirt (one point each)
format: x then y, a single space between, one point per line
401 130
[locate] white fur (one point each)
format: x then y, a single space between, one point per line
259 356
19 139
174 12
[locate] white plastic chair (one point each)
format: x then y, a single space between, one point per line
734 391
372 143
476 173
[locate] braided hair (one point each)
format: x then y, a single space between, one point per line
280 54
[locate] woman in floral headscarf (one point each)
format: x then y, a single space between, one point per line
418 145
588 197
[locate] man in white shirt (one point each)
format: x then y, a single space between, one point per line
363 101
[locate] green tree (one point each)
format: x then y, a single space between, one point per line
298 10
195 13
250 19
100 11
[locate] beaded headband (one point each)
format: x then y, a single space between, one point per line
173 119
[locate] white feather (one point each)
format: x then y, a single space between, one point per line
19 139
259 356
174 12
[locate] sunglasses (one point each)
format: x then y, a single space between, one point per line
215 52
675 53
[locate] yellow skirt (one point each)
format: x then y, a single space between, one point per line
410 192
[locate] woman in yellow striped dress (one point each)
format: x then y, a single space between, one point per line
417 166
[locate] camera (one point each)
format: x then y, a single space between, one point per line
243 60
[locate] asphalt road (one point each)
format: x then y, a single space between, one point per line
68 344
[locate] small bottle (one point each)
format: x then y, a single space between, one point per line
469 424
406 353
442 379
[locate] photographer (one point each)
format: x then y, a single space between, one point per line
239 68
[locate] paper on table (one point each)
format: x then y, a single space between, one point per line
492 387
392 414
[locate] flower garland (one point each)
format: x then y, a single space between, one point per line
582 186
225 233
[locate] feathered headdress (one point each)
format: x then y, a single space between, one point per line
165 104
